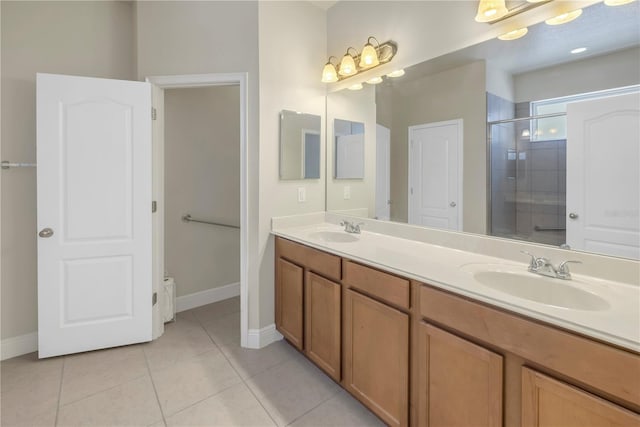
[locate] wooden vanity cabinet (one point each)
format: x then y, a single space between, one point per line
547 402
308 303
460 383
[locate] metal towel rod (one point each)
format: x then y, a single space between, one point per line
7 165
188 218
541 228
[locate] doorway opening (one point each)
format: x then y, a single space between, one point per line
200 187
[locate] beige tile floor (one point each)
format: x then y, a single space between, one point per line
196 374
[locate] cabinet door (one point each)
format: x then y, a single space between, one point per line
322 323
377 357
460 383
548 402
289 303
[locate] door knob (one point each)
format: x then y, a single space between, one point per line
46 232
452 204
573 215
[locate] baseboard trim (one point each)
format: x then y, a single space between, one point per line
17 346
258 338
187 302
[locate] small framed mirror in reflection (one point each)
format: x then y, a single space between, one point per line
299 145
349 149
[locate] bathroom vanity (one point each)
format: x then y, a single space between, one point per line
413 335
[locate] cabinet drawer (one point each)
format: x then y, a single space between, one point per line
598 365
384 286
320 262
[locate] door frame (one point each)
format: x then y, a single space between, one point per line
219 79
460 127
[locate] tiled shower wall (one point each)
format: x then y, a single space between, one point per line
528 179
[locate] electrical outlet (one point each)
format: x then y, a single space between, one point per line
302 195
346 194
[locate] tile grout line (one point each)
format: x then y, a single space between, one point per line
64 361
103 390
153 384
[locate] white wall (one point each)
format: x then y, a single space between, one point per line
292 52
202 178
93 39
588 75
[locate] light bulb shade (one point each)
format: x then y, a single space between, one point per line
347 66
617 2
356 86
375 80
396 73
514 35
490 10
369 56
329 74
564 18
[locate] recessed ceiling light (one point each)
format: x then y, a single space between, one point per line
617 2
375 80
579 50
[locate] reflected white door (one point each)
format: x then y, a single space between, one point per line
94 213
383 173
603 178
435 175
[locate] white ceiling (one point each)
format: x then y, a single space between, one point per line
601 29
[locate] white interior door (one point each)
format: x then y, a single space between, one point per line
435 169
94 213
383 173
603 178
350 156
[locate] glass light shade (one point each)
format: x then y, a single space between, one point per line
347 66
490 10
356 86
369 56
514 35
375 80
578 50
535 1
329 74
564 18
396 73
617 2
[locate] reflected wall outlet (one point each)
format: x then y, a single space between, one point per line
302 195
346 194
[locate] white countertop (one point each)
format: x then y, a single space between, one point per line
445 268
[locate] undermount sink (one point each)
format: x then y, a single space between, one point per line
333 236
544 290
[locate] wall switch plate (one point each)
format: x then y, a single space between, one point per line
346 194
302 195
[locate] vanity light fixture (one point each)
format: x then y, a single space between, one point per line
396 73
535 1
617 2
348 64
515 34
375 80
564 18
356 86
353 63
369 56
578 50
491 10
329 73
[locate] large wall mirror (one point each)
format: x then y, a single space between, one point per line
299 145
517 139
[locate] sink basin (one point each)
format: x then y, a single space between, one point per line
333 236
536 288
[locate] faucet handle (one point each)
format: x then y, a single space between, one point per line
563 268
533 264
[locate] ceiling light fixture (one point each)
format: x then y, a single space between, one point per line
353 63
490 10
356 86
396 73
514 35
617 2
564 18
375 80
579 50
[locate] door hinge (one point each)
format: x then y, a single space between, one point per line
154 206
154 113
154 299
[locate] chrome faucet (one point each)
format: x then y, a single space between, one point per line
350 227
544 267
